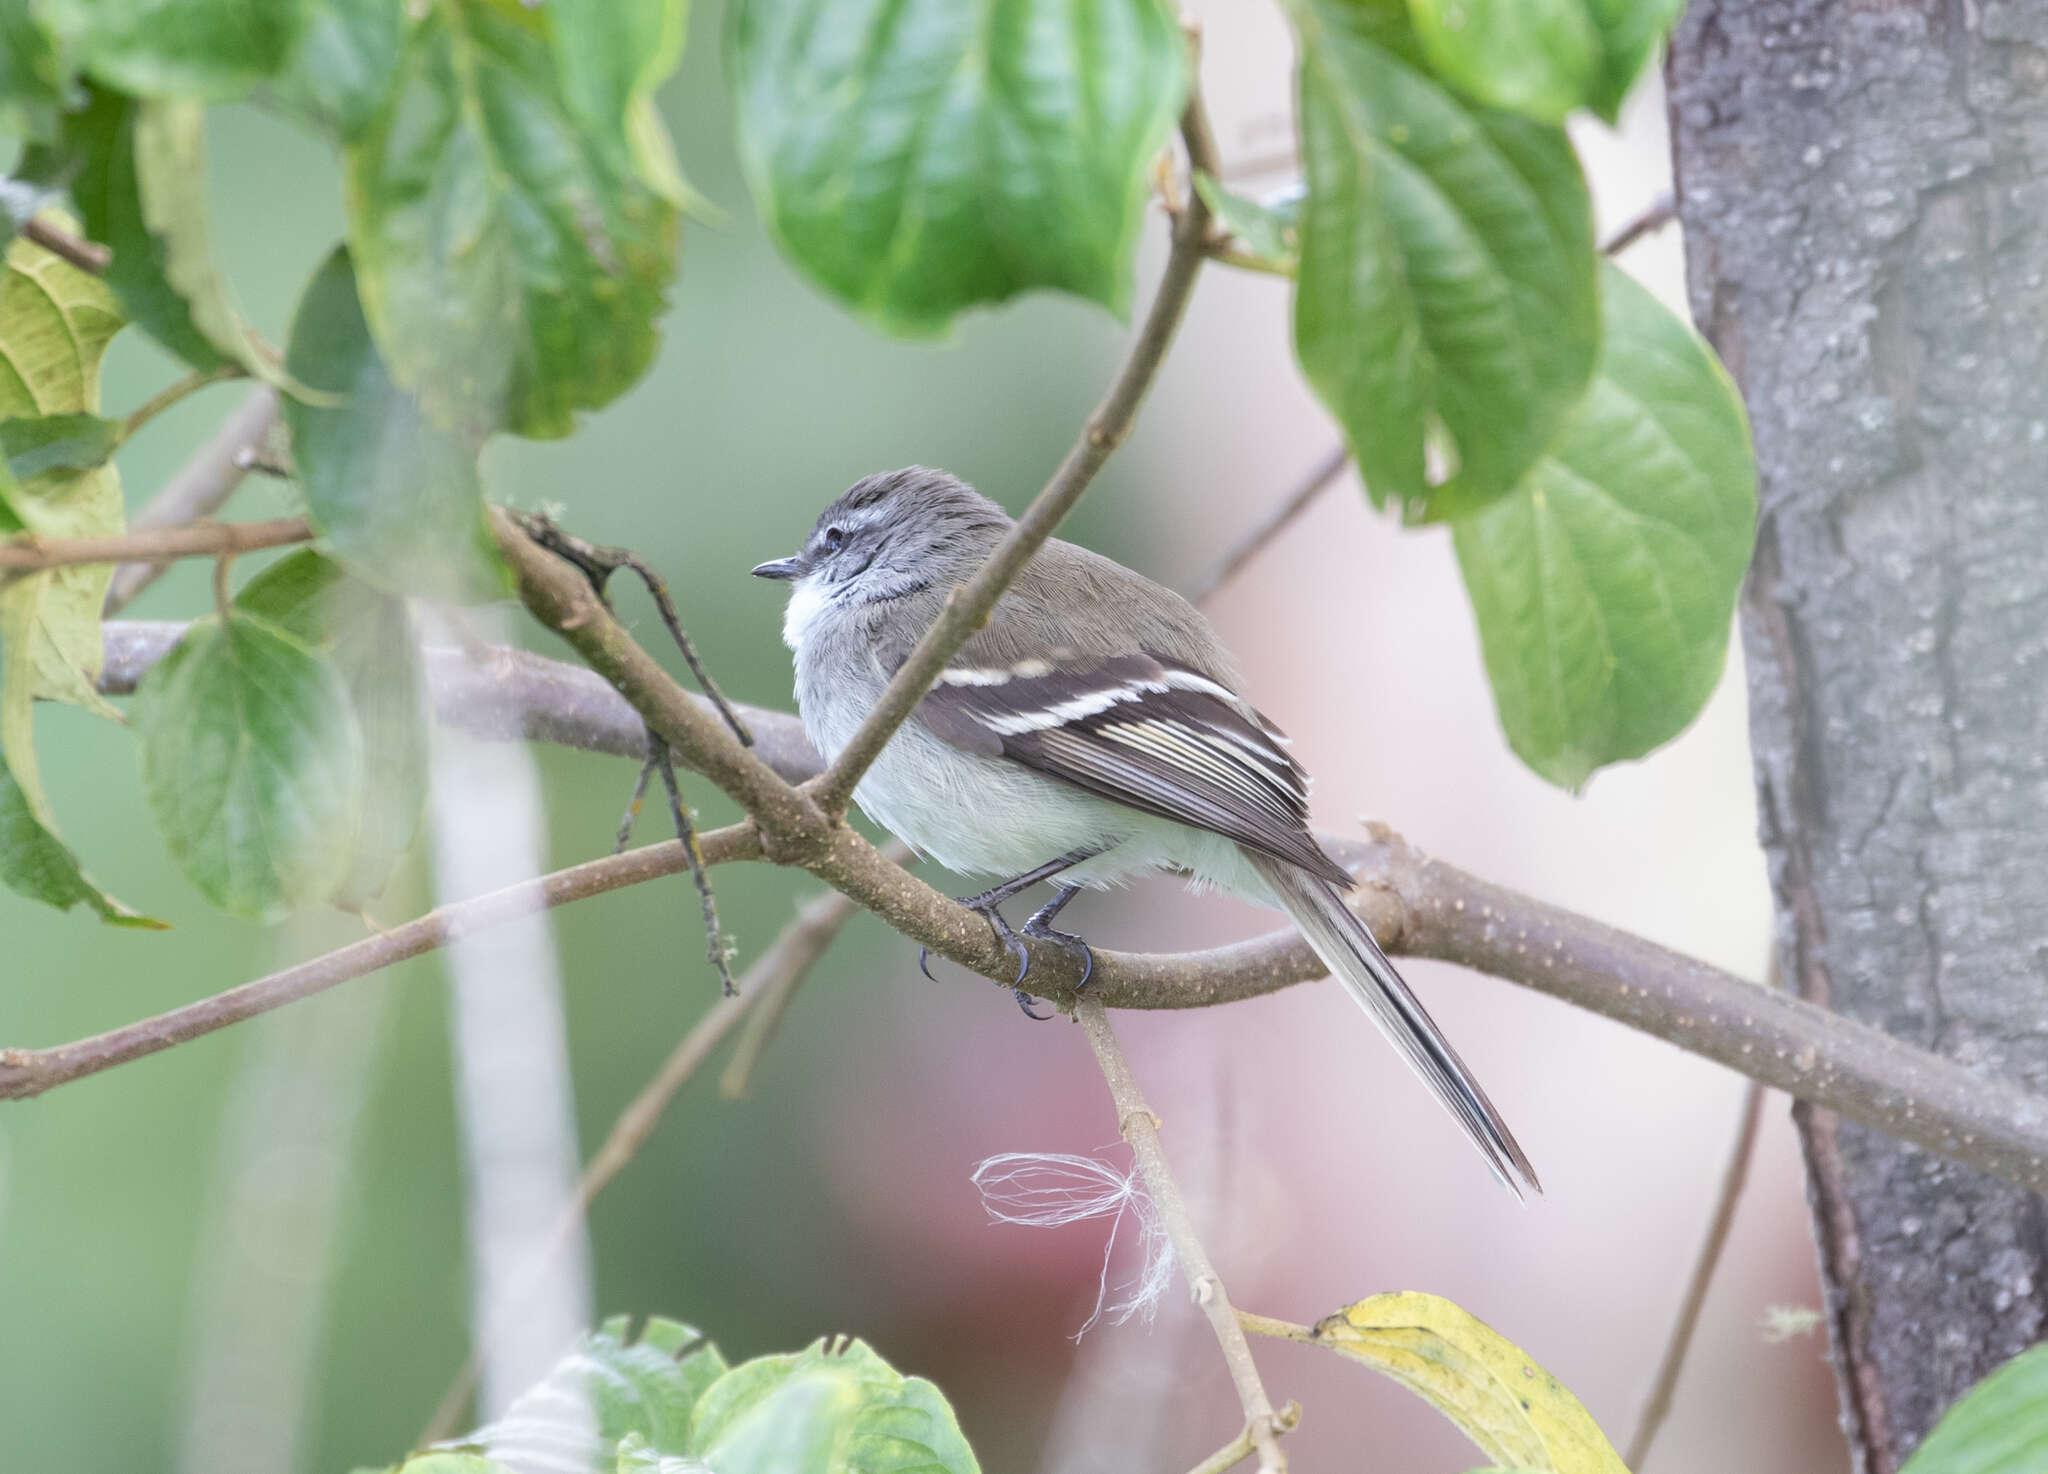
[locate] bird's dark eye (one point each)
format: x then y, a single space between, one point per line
834 536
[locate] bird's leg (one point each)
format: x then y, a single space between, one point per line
986 905
1040 927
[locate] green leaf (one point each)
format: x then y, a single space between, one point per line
75 441
1605 583
36 863
1543 57
2000 1426
834 1408
1498 1396
512 256
638 1456
339 69
612 58
212 49
369 637
916 159
252 763
446 1463
1447 284
1540 57
1267 236
399 499
644 1388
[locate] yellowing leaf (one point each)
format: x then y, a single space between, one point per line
1518 1414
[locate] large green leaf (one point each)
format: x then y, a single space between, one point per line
834 1408
608 1388
512 254
1604 584
1543 57
915 157
2000 1426
215 49
369 637
1448 280
252 763
398 498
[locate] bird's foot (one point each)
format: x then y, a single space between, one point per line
1041 930
987 907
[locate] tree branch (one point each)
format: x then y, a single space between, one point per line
29 1072
968 607
198 489
1140 1129
30 554
1416 906
1661 212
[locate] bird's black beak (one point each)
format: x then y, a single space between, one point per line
781 568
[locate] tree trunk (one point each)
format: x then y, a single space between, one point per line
1863 188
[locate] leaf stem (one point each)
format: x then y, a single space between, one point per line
31 554
175 393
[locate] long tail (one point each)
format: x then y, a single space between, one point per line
1344 943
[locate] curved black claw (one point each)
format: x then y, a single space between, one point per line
1068 942
924 955
1024 1002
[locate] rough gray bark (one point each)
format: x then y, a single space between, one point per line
1864 189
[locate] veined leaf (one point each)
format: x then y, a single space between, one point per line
512 258
369 637
1604 584
1543 57
1518 1414
37 864
339 67
1448 278
398 498
252 763
2000 1426
917 158
836 1408
610 1388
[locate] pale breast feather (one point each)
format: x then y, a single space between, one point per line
1142 731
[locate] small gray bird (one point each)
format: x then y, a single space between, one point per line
1092 731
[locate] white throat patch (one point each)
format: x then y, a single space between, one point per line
807 600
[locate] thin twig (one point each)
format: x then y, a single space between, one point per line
1311 486
967 608
599 563
195 540
635 1124
197 490
632 814
1140 1129
84 254
176 393
29 1072
774 974
700 876
1658 1404
1660 213
1240 1448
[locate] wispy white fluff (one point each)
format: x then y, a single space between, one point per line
1054 1189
